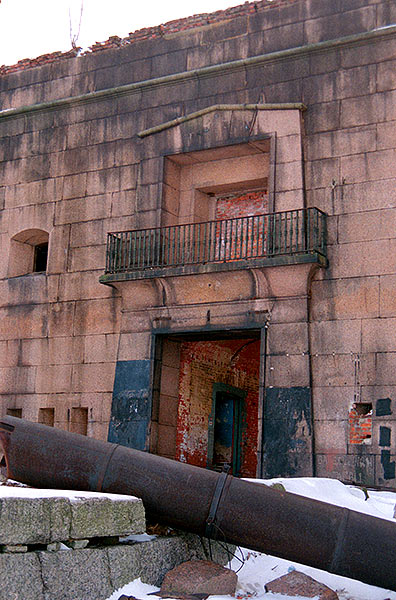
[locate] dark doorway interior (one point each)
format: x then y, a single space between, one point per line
205 400
225 429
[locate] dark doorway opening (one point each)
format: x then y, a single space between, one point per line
225 429
205 409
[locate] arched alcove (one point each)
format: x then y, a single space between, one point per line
28 252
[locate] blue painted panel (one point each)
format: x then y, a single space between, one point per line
287 432
388 465
131 405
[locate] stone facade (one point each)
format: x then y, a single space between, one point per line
290 104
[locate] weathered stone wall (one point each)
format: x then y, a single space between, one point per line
78 169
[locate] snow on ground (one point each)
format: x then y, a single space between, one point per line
9 491
258 569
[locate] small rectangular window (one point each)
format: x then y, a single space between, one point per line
46 416
79 420
40 257
15 412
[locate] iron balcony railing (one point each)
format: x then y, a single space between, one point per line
242 238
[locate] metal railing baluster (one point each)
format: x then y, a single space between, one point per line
224 240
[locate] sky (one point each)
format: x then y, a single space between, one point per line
29 28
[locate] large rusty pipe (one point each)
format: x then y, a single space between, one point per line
248 514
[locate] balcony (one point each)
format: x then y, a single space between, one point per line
283 238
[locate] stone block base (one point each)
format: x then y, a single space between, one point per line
79 574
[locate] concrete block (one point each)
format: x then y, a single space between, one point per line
75 186
33 520
123 203
331 436
103 181
289 338
288 371
358 196
100 348
362 110
134 346
332 403
9 351
353 21
285 122
82 286
100 517
88 259
20 577
289 176
369 167
82 209
168 409
323 117
320 173
79 574
60 319
53 378
390 108
379 335
354 468
96 316
353 298
387 296
17 380
338 370
166 440
169 380
94 377
359 259
336 336
342 142
19 322
385 137
385 368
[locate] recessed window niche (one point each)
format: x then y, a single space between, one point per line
28 252
218 183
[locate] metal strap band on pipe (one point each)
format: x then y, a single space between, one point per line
210 522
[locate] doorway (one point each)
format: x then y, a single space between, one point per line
201 378
225 429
